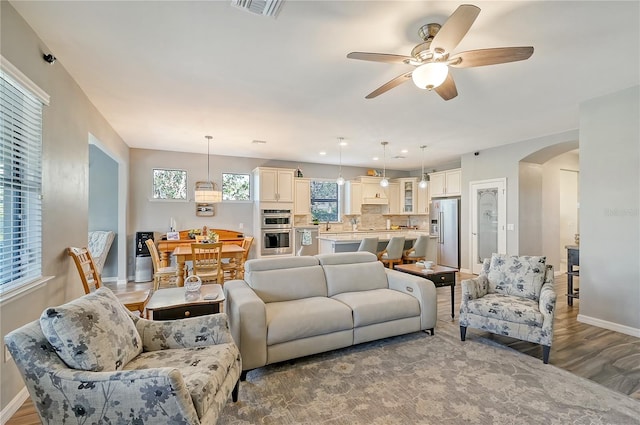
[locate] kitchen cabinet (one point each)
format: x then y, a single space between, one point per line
366 190
274 184
446 183
302 198
353 198
393 192
423 200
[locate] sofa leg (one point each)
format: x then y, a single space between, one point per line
546 349
430 331
236 390
463 333
243 375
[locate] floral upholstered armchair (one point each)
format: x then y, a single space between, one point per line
512 296
91 361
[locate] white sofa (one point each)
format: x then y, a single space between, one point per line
296 306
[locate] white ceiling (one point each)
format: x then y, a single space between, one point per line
166 73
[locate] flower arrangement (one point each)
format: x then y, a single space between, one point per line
193 233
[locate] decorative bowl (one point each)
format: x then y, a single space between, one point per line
192 283
428 264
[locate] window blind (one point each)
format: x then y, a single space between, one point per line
20 184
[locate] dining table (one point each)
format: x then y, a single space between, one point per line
183 254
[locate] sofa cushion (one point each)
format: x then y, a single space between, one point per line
507 307
379 305
285 279
297 319
94 332
203 369
350 272
521 276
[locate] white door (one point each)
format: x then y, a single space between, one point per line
488 220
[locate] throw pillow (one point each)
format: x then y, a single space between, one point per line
517 275
94 332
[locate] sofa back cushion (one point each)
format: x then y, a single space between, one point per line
285 279
516 275
94 332
352 272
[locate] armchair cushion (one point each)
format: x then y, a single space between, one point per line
520 276
507 307
94 332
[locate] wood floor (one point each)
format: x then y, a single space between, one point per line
609 358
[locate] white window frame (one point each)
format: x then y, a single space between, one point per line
240 201
26 112
154 199
339 198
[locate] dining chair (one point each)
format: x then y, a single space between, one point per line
165 277
234 269
134 300
369 245
418 252
392 254
206 259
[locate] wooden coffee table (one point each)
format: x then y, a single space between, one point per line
177 303
439 275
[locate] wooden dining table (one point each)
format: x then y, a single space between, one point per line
183 254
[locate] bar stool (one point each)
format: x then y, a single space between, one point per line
369 245
393 252
418 252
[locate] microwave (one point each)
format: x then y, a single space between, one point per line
276 219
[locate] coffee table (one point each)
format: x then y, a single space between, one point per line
177 303
439 275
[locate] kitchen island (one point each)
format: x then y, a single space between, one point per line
349 241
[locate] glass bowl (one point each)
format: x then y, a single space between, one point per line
192 283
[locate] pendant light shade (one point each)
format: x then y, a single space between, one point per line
423 179
384 182
340 179
430 75
206 192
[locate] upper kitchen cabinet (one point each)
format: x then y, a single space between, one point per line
274 184
446 183
394 193
302 199
372 192
352 198
423 200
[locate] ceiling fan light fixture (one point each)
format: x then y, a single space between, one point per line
430 75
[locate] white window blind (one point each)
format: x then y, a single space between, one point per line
20 184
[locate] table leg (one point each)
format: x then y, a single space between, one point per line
164 259
453 285
182 270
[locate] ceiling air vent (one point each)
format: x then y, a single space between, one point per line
259 7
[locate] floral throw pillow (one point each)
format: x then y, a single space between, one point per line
517 275
93 332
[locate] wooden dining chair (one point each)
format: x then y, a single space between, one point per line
236 269
206 259
163 277
134 300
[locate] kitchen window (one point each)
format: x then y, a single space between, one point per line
21 104
236 187
169 184
325 200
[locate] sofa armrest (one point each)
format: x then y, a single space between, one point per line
197 331
116 395
248 322
422 289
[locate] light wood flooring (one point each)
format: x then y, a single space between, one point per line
609 358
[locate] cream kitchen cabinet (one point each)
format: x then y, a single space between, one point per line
393 192
423 200
302 199
274 184
353 198
446 183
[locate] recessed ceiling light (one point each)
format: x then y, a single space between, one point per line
404 151
323 153
375 158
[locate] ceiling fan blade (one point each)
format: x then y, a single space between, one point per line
389 85
379 57
456 27
447 90
482 57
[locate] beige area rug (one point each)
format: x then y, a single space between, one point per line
423 379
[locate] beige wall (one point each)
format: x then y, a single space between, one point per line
68 120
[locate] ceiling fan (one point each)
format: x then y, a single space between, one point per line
432 58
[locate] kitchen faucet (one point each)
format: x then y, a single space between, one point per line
327 226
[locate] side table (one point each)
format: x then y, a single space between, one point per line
439 275
177 303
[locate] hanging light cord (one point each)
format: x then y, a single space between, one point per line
208 155
422 175
340 144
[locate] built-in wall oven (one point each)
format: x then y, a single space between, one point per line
277 232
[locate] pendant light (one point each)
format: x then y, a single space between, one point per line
423 181
384 182
340 179
205 192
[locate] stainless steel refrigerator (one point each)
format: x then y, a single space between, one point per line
445 224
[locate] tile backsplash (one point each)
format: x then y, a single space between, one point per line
371 217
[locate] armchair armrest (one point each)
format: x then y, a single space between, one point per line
248 321
476 287
422 289
117 395
197 331
547 305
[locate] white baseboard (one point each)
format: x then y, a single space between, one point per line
467 271
110 279
627 330
14 405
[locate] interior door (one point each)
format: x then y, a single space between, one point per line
488 220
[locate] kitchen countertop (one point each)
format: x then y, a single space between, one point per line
383 235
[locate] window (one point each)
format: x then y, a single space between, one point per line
20 179
325 204
169 184
235 187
